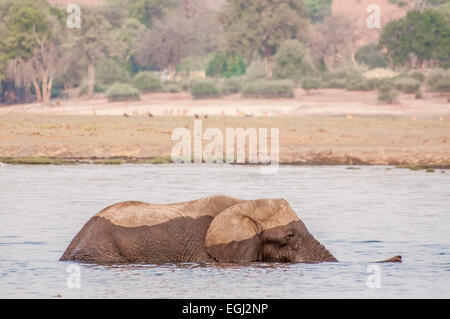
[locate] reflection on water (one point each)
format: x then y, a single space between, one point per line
360 215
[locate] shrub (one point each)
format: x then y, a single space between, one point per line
230 86
441 86
419 76
292 61
400 3
97 89
172 87
407 85
340 77
256 69
269 89
378 83
311 84
372 56
203 89
57 93
387 94
360 83
57 88
147 82
226 65
109 71
439 80
186 85
122 92
334 83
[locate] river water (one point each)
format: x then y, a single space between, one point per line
361 215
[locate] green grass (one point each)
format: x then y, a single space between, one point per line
111 161
427 167
36 161
98 161
154 160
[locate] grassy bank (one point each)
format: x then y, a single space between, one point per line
75 161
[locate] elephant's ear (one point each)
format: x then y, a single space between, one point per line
235 235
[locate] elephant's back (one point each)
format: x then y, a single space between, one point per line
136 214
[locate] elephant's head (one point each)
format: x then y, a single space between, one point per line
263 230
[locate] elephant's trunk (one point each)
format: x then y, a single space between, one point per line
316 252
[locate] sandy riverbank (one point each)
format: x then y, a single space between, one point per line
324 102
303 140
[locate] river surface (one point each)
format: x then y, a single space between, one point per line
361 215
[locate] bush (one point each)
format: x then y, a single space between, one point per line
269 89
400 3
172 87
122 92
372 56
226 65
109 71
147 82
230 86
256 70
407 85
311 84
441 86
340 77
387 94
186 85
439 80
360 83
419 76
334 83
97 89
57 88
203 89
292 61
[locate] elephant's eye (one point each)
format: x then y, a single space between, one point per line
289 237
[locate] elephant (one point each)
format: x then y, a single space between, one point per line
216 229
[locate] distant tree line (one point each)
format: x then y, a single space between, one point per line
40 57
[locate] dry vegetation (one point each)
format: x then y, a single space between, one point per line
303 140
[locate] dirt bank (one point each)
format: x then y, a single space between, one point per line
324 102
303 140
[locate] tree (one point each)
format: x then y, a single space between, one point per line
206 31
226 65
167 43
29 46
126 39
334 40
191 7
292 61
416 38
115 11
421 5
251 26
148 11
92 41
318 9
